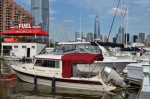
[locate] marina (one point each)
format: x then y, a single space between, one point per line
64 49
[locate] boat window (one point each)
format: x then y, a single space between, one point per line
47 63
57 64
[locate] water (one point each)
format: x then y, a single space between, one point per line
17 89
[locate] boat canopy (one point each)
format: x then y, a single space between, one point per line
25 32
107 44
69 59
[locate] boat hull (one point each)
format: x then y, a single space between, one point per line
63 82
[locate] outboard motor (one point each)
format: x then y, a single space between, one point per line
108 74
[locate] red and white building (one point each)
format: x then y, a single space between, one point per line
25 40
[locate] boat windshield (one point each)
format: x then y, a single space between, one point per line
79 48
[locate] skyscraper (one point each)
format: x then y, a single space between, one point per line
97 34
128 37
142 36
40 13
114 39
134 38
90 37
78 36
120 36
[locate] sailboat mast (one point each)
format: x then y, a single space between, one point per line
127 25
121 21
80 21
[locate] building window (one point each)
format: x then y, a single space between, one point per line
23 46
33 47
15 46
34 8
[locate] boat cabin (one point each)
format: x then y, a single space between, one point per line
64 65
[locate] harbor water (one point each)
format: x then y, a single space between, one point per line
17 89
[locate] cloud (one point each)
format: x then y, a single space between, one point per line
68 21
52 18
113 10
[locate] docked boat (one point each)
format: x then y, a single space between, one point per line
61 71
135 71
95 47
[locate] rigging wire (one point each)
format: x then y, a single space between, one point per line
113 20
122 20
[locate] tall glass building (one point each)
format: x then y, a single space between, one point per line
142 36
40 13
97 34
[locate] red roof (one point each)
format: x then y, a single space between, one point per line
69 59
25 32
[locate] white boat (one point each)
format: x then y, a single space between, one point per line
94 47
135 70
51 69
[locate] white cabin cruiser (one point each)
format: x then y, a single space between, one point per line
51 69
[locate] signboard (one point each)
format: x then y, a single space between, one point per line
25 26
9 39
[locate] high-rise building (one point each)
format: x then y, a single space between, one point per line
128 37
97 34
147 43
78 36
120 36
11 14
142 36
105 39
114 39
90 37
40 13
134 38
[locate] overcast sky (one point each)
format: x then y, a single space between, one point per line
65 16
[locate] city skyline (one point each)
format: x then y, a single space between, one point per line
65 15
